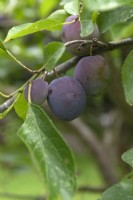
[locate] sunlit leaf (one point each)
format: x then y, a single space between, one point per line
109 18
72 7
124 189
127 183
52 53
52 23
104 5
85 20
21 107
117 192
50 152
126 30
2 46
120 191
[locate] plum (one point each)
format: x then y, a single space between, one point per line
38 91
71 32
93 73
66 98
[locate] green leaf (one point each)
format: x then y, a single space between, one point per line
50 153
52 53
124 189
127 183
109 18
118 191
52 23
128 157
86 21
21 107
72 7
126 31
127 78
104 5
2 46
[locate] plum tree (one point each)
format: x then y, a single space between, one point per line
71 31
38 91
66 98
93 73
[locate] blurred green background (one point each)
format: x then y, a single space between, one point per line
107 116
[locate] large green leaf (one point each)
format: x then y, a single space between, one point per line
2 46
98 5
126 30
72 7
52 53
21 106
128 157
85 20
109 18
52 23
127 184
120 191
124 189
50 153
127 78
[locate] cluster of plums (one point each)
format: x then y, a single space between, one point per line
66 95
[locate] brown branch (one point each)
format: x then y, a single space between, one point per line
32 197
99 46
21 196
64 67
92 189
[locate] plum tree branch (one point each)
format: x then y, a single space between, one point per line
21 196
32 197
64 67
92 189
99 46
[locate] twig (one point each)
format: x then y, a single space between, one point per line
32 197
98 46
86 42
6 104
21 196
21 64
19 90
62 68
92 189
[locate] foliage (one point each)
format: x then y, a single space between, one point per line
50 153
